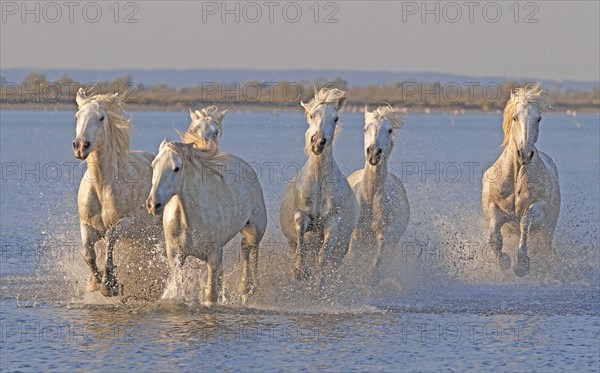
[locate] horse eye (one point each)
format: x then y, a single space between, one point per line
217 133
311 116
515 118
102 118
539 119
365 129
336 119
390 131
176 169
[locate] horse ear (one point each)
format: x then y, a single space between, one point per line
192 115
341 102
163 143
81 97
222 114
305 106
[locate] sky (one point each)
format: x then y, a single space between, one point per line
543 39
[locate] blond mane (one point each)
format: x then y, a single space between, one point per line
324 96
528 95
116 127
200 159
389 113
188 137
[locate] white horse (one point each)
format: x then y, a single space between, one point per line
320 199
522 185
112 190
204 205
384 208
206 127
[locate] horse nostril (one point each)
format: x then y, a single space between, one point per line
312 138
323 141
518 153
531 154
74 145
379 150
157 206
86 144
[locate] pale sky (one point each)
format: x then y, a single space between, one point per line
369 35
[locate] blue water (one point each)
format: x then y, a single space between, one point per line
444 306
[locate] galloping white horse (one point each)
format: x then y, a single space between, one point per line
384 208
522 185
206 127
112 190
320 199
205 207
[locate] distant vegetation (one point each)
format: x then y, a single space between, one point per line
36 91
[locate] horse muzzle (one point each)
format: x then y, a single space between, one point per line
374 155
154 208
525 156
318 144
81 149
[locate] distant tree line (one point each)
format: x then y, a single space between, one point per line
35 90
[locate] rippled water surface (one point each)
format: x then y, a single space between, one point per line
442 305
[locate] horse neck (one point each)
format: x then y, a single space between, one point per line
373 178
511 165
105 165
321 165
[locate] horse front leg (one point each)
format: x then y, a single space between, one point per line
301 223
326 257
249 248
497 219
249 279
375 274
533 216
89 237
109 286
330 232
353 245
215 275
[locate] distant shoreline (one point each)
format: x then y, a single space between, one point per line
254 108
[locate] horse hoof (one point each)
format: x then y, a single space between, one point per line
109 287
247 289
92 286
522 267
504 261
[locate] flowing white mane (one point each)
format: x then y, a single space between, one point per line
201 159
324 96
212 113
389 113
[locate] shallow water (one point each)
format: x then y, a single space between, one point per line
442 306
